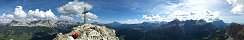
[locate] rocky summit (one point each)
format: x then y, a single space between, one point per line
88 32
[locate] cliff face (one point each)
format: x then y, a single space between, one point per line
236 31
89 32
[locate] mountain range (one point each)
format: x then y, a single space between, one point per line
178 30
174 30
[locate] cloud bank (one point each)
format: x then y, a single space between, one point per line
21 15
6 18
72 8
184 15
185 10
41 14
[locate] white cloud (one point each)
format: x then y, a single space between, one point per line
154 18
195 15
6 18
74 7
77 8
238 6
49 15
42 14
185 15
185 10
89 15
66 18
36 14
19 13
92 16
132 21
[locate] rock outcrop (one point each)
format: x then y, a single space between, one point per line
88 32
236 31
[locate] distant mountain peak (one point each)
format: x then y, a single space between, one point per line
219 23
116 22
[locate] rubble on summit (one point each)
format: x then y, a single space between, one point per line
88 32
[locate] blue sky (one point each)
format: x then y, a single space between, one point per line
136 11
